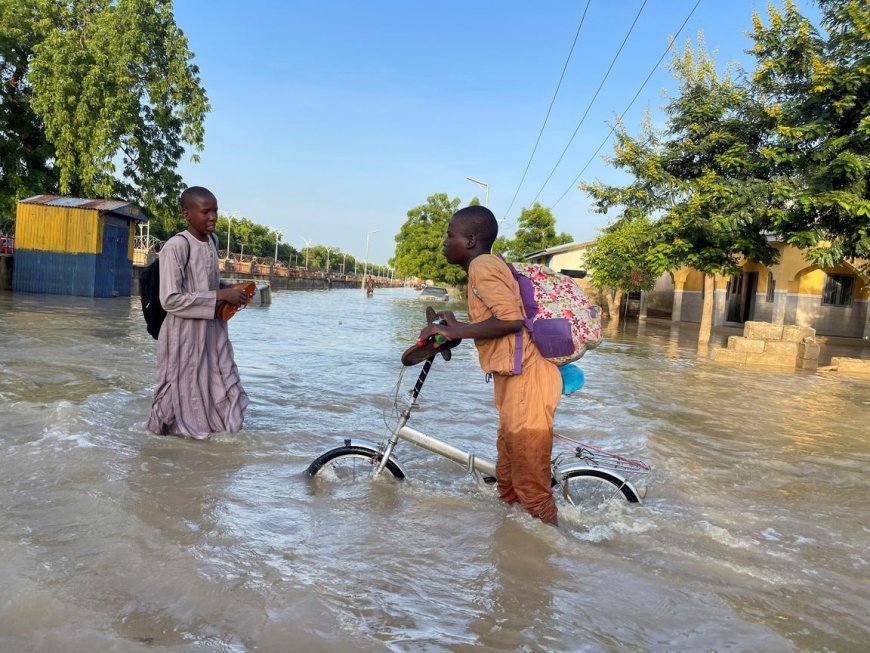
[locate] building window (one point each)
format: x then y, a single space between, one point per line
771 287
838 290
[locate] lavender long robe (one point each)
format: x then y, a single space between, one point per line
198 387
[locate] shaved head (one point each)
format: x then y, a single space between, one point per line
478 221
194 192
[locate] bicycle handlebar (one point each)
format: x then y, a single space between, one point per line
424 348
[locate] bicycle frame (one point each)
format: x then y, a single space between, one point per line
481 469
477 467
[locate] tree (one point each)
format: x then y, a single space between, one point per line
420 239
104 98
621 260
716 133
703 180
501 245
816 93
24 151
624 258
536 230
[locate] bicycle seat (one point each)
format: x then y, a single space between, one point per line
418 353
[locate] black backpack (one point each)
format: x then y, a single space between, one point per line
149 291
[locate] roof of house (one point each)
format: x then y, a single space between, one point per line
121 207
559 249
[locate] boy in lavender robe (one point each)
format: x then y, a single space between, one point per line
198 387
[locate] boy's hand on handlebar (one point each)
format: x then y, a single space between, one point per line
434 330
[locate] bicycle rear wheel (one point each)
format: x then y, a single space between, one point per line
590 488
351 464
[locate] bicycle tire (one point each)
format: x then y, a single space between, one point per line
589 488
351 463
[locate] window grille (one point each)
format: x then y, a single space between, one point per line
838 290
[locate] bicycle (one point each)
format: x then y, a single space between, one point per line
587 478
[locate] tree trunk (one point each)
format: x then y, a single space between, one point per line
615 309
707 311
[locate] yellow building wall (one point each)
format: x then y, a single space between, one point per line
575 260
694 281
59 229
811 281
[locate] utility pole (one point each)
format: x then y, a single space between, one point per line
307 245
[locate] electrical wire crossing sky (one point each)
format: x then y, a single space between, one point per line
331 120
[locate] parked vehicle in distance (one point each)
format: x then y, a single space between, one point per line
434 294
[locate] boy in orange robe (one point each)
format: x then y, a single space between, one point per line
527 401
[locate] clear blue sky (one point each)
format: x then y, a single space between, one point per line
334 118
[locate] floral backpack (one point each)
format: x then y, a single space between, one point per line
562 321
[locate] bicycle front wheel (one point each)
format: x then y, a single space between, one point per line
351 464
590 488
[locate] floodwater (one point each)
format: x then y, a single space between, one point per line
753 536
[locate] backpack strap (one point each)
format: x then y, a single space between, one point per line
530 309
186 260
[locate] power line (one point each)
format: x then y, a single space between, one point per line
630 104
556 92
586 113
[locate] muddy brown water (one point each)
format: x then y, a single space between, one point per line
753 535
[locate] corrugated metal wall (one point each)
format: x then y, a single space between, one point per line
58 229
72 251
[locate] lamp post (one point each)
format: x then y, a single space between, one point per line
307 245
242 254
368 235
229 231
277 238
485 189
327 260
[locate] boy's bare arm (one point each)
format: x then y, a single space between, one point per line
455 330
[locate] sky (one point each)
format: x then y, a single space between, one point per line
331 119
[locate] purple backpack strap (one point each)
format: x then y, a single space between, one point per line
530 309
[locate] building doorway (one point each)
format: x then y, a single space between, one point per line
740 297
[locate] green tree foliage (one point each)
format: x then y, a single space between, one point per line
816 91
651 190
501 245
420 239
25 154
703 180
621 259
712 149
258 239
104 99
327 258
536 230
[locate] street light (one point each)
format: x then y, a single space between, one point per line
307 245
327 260
368 235
277 238
229 230
485 189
